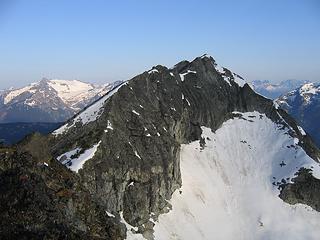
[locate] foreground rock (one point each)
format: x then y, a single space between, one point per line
41 199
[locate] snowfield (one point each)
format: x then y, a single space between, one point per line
227 191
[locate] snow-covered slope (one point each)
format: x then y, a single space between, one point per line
49 100
229 186
273 90
304 105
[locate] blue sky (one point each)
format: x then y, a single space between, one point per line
102 41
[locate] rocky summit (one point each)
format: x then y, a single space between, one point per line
188 152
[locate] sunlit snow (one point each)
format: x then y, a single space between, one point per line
76 163
182 75
301 130
227 191
15 93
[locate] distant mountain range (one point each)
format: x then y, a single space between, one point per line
49 100
274 90
303 104
44 105
299 98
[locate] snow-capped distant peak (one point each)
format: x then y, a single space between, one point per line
90 114
17 92
54 100
72 91
309 88
303 104
275 90
307 91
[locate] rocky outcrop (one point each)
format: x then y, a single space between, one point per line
41 199
305 189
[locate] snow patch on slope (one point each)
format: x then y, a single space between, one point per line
182 75
131 235
76 163
153 71
226 76
302 131
90 114
227 191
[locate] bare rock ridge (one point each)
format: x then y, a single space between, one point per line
123 150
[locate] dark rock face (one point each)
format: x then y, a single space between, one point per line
136 167
305 189
41 199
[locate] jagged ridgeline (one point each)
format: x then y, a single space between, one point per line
114 171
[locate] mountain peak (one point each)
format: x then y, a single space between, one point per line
207 62
49 100
44 79
126 149
206 55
